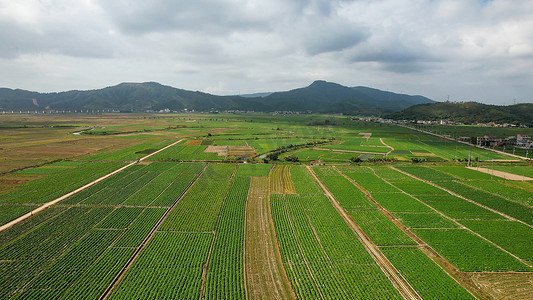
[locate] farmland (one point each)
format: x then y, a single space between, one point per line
256 206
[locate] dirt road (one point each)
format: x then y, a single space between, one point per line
264 273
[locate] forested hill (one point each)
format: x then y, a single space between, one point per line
468 112
319 97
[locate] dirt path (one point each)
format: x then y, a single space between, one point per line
505 175
391 148
405 289
265 276
48 204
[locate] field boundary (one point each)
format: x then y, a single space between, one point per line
397 280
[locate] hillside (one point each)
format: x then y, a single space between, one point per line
468 112
320 96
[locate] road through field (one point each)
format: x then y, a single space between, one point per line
405 289
505 175
265 276
57 200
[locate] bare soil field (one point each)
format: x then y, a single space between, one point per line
505 285
263 269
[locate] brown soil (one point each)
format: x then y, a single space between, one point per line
193 142
505 285
263 268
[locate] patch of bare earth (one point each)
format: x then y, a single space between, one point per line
423 154
505 285
264 274
508 176
193 142
219 150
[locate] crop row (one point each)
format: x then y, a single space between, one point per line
468 252
513 209
120 218
367 179
513 236
348 195
53 186
381 230
68 268
139 229
29 224
322 256
504 191
479 195
304 184
96 279
130 153
203 201
37 249
225 274
170 267
428 279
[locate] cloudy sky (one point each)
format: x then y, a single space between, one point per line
478 50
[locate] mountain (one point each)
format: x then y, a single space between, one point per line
468 113
320 96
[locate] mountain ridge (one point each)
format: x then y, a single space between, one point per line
320 97
468 113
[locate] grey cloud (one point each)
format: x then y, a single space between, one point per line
195 16
19 39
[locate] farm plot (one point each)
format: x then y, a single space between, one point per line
510 208
321 254
253 170
169 267
428 279
425 220
399 202
505 191
512 236
43 246
518 170
225 274
280 180
48 188
380 229
349 196
182 152
366 178
468 252
203 200
494 201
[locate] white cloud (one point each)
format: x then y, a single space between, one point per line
472 49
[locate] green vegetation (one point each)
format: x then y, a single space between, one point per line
468 252
430 281
179 224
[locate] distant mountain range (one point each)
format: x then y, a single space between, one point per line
319 97
468 113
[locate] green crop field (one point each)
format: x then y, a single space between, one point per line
257 206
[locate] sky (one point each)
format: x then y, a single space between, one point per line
457 50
